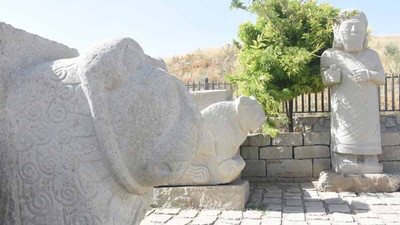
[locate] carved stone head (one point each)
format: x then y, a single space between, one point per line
351 31
250 113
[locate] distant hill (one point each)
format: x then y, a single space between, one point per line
215 63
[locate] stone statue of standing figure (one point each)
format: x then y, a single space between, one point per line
354 73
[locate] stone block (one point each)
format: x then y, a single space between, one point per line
293 139
205 98
391 167
258 140
276 152
232 196
320 165
289 168
334 182
390 153
248 152
254 168
317 138
390 138
310 152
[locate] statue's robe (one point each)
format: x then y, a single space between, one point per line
355 125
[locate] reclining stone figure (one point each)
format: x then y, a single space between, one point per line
84 138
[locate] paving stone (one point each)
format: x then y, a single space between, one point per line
316 210
179 221
272 214
339 208
272 195
252 214
294 223
250 222
204 220
276 152
188 213
294 202
382 209
319 222
168 211
293 209
356 204
150 212
370 221
293 190
209 213
272 201
341 217
227 222
271 221
365 214
352 223
316 217
294 216
390 218
231 215
374 201
314 204
307 186
158 218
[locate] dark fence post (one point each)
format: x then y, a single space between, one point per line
206 83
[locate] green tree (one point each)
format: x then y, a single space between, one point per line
279 55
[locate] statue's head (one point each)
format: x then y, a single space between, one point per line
350 33
250 113
145 119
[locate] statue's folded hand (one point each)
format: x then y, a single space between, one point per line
361 75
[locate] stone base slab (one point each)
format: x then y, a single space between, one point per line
232 196
332 181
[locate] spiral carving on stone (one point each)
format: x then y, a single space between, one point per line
64 136
65 91
41 135
23 142
67 194
82 218
198 174
40 203
57 112
46 164
34 113
29 173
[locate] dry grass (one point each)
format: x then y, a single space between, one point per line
216 63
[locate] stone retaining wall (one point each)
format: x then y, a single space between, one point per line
302 156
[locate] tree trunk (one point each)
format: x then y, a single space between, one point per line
289 114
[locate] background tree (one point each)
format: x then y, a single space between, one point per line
392 53
279 56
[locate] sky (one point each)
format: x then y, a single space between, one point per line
163 28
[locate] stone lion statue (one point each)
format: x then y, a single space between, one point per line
226 125
84 138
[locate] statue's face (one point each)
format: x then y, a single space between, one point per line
251 114
353 34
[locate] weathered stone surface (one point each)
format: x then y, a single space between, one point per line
227 196
317 138
289 168
320 165
390 138
332 181
390 153
257 140
226 125
391 167
354 72
309 152
255 168
205 98
279 152
92 134
293 139
248 152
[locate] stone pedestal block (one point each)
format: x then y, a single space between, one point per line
231 196
332 181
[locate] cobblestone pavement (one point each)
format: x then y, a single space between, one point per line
292 204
